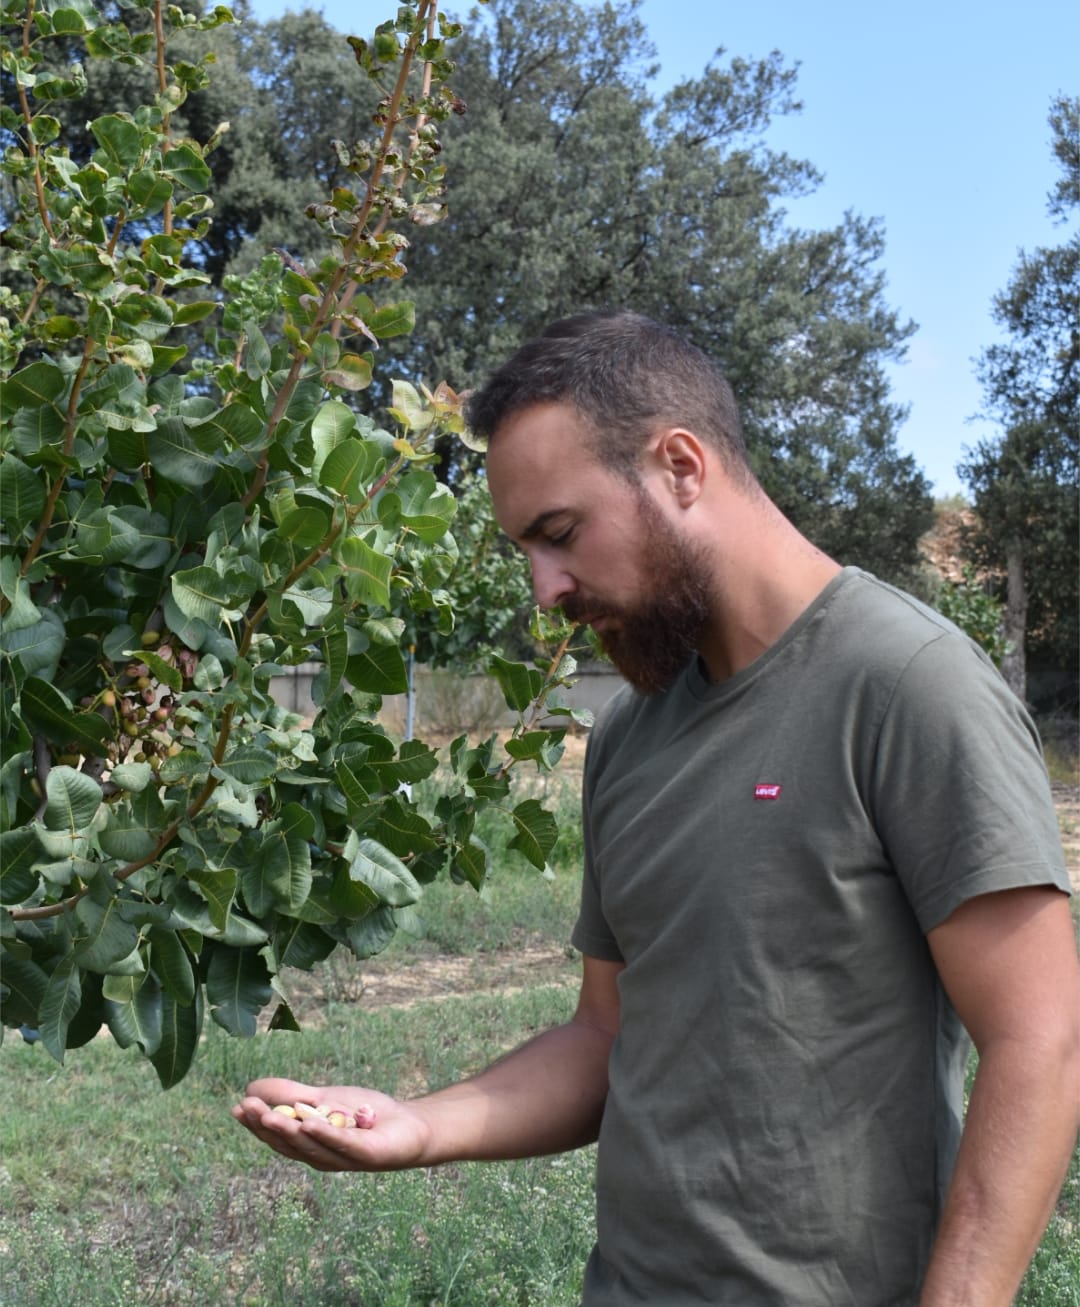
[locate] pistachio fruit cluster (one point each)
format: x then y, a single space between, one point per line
363 1118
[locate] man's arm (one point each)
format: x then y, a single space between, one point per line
545 1097
1008 962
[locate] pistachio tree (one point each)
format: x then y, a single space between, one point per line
194 499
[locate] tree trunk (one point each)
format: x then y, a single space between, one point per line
1013 665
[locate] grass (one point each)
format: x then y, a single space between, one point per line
117 1193
112 1192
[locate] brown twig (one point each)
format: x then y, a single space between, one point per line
427 9
28 118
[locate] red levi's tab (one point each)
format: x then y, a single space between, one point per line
767 791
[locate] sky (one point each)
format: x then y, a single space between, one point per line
930 115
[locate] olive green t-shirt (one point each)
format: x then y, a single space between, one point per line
766 856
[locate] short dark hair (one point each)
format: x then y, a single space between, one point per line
626 375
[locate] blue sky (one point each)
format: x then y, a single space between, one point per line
928 115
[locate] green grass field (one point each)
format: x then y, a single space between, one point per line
113 1192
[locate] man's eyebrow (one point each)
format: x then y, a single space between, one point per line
537 525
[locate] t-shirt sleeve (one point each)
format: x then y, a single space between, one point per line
592 935
960 791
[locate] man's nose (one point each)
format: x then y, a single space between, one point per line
551 583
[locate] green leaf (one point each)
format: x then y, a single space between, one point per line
351 372
69 22
366 572
105 938
134 824
542 747
72 800
408 407
181 1026
284 1018
59 1004
218 888
305 527
120 140
172 964
234 426
333 423
39 384
36 648
301 944
133 1011
470 863
167 673
378 670
104 534
336 657
132 776
537 832
403 830
386 875
257 361
350 896
373 933
201 593
23 612
187 167
25 983
286 856
392 320
384 630
195 311
237 988
416 761
22 493
150 192
19 852
347 466
83 263
47 711
313 601
177 455
247 764
520 684
427 505
90 1016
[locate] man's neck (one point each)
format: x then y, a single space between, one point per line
763 585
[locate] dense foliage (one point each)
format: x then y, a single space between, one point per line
182 522
1025 481
575 188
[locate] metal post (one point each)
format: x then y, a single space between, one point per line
410 697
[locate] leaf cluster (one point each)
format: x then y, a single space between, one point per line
181 526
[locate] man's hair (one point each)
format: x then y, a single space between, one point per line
626 375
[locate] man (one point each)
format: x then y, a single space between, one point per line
819 844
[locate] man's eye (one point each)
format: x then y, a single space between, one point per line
561 539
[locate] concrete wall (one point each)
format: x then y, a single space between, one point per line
447 702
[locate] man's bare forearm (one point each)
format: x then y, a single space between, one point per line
1019 1134
544 1097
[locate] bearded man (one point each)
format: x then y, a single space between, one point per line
821 854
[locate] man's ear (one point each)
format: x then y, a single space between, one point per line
680 459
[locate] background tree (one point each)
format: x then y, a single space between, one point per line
1025 481
579 190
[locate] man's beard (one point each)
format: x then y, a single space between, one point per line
655 639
